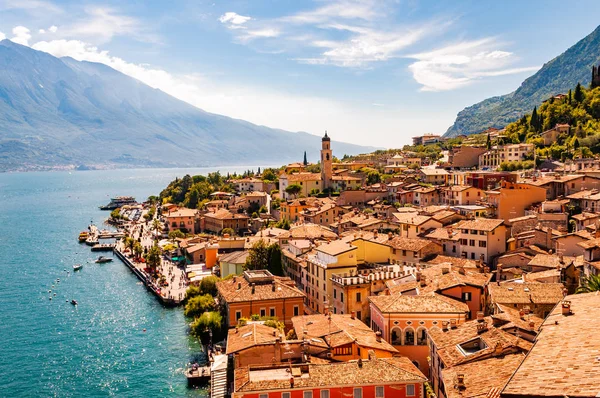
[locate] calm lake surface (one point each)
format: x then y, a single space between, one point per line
50 348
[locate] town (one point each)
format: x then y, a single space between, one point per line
386 275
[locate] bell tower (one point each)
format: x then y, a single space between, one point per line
326 159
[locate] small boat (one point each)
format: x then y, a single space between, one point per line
83 236
103 259
77 267
74 302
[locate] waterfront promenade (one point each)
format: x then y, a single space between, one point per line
174 292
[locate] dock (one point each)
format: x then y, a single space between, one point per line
197 375
103 247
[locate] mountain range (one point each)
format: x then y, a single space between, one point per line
59 112
557 76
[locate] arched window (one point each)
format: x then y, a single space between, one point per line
409 337
421 336
396 336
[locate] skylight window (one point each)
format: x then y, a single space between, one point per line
472 346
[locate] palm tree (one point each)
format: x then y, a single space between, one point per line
156 225
589 284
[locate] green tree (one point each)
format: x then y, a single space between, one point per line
176 234
198 305
153 257
373 177
305 160
589 284
293 189
207 321
258 256
115 214
578 95
269 175
192 291
157 226
488 142
138 249
227 231
208 285
275 265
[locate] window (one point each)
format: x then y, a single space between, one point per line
359 315
466 296
347 350
472 256
404 253
409 337
296 310
286 395
482 243
324 393
379 392
263 312
272 311
342 297
263 396
471 242
307 394
422 337
396 336
482 233
358 392
453 248
334 293
410 390
358 298
238 315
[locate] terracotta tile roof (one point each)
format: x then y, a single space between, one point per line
409 218
431 172
481 224
224 214
438 280
228 289
196 247
444 234
550 261
386 371
182 212
308 231
441 215
592 243
371 236
455 261
482 379
422 304
509 316
585 216
236 257
412 244
526 293
244 337
537 276
302 177
336 248
340 331
564 360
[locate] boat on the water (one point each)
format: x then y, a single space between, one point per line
74 302
103 259
77 267
83 235
119 201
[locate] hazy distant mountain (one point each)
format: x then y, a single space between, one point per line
59 111
557 76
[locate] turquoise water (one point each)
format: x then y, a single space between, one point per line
50 348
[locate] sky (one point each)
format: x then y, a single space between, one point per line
370 72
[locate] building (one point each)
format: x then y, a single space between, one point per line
182 219
511 200
506 153
433 176
426 139
249 185
412 225
340 183
426 196
325 214
233 263
331 258
465 156
257 344
448 238
221 219
372 378
326 160
405 321
461 195
260 293
411 251
564 360
309 182
488 179
551 136
345 336
539 298
482 238
398 163
290 210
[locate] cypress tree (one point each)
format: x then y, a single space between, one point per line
534 122
570 96
578 96
305 161
489 142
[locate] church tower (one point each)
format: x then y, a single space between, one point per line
326 159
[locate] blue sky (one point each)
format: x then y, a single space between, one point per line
370 72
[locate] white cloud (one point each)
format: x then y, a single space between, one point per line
41 31
2 36
233 19
458 65
359 10
260 33
255 104
30 5
21 35
52 29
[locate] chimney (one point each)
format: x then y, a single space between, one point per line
531 325
418 275
445 270
273 287
375 233
460 381
498 349
372 355
239 285
561 259
378 336
360 363
423 282
565 292
481 327
253 288
522 314
526 310
452 323
566 308
292 382
353 315
479 316
445 326
461 270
